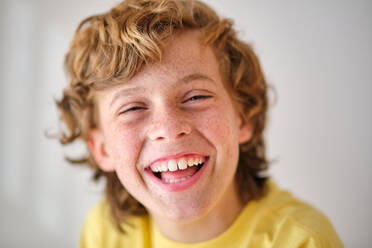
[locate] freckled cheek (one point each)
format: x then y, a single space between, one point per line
217 125
220 128
125 144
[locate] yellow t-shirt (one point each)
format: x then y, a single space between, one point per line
276 220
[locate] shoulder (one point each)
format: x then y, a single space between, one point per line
285 221
99 229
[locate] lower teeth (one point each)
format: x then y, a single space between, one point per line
177 180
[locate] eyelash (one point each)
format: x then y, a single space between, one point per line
193 98
197 97
131 109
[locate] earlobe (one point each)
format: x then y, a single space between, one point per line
97 148
245 131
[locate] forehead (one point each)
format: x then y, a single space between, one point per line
184 57
183 54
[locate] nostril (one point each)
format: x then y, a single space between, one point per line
169 130
159 138
182 134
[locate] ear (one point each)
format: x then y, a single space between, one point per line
245 130
96 144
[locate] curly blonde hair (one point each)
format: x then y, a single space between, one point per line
110 48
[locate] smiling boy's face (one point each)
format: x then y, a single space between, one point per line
171 133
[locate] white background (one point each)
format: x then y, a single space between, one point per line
317 54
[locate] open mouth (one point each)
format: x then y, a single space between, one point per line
177 170
175 180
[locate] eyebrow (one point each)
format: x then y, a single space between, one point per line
186 79
125 92
196 76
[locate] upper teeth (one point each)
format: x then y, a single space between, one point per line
177 164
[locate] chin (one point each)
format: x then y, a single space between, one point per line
186 212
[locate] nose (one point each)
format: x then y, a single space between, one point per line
169 124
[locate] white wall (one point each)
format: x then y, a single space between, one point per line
317 54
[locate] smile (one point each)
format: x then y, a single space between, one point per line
177 164
177 173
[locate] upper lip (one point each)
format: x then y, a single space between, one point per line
175 156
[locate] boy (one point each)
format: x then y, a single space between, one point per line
172 107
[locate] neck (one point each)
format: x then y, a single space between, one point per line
209 226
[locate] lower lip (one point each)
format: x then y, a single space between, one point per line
179 186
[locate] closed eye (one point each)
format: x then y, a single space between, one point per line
132 109
197 97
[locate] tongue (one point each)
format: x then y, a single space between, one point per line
179 173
